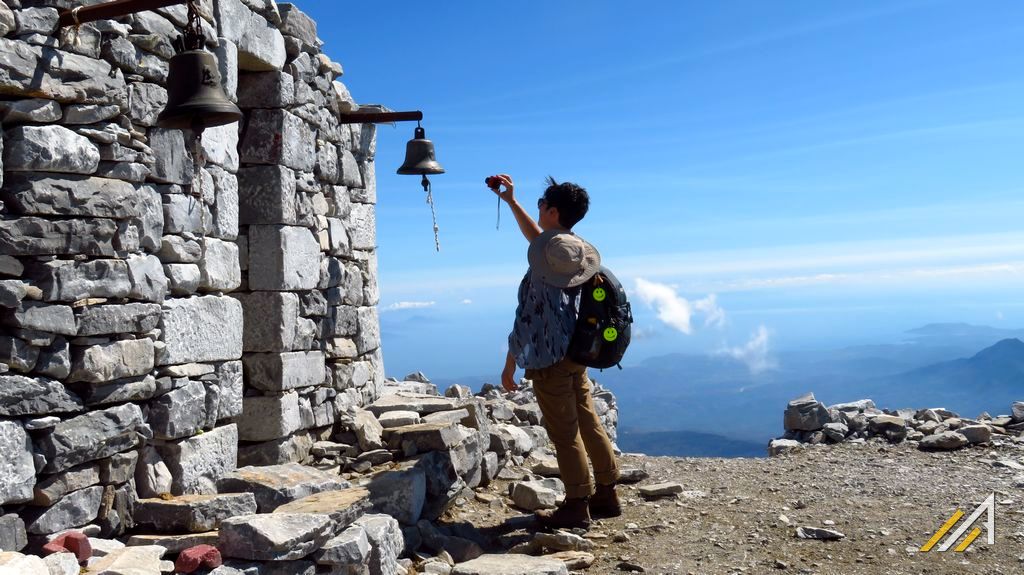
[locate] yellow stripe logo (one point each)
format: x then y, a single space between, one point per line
988 505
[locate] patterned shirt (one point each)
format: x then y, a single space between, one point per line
545 320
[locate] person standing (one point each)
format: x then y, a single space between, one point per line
560 261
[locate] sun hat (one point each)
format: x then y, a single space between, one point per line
562 259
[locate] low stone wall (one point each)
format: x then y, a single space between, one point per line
372 500
809 422
169 308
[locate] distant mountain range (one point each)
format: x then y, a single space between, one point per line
701 405
687 443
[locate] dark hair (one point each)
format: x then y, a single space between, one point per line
571 200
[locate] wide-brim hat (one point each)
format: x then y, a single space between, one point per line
562 259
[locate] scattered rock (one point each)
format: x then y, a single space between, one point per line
661 490
945 441
818 533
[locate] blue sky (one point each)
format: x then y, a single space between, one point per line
763 175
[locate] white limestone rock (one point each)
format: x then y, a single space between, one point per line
220 146
227 63
219 266
66 77
14 563
17 470
260 45
152 477
183 279
267 195
400 494
198 463
348 549
269 417
511 564
284 371
148 282
112 319
173 164
21 396
110 361
386 542
534 495
34 110
139 560
276 136
73 510
62 280
362 227
201 329
178 413
48 149
274 536
91 436
225 208
146 101
276 485
283 258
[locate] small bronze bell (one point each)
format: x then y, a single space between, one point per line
419 156
195 99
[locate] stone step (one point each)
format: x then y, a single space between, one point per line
343 506
174 543
425 436
511 564
274 536
420 403
275 485
192 513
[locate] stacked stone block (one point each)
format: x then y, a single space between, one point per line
170 305
312 339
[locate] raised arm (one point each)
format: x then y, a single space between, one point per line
527 225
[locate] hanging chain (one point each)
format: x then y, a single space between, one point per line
195 40
195 23
433 214
198 163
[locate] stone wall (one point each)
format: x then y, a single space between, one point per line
169 308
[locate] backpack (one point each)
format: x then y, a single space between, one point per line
603 324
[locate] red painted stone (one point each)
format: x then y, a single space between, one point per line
71 542
200 556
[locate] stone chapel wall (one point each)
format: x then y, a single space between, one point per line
167 315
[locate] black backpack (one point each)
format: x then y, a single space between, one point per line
603 324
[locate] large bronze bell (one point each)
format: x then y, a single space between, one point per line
195 98
419 156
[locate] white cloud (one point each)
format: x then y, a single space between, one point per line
400 305
677 311
1000 316
754 353
715 315
467 301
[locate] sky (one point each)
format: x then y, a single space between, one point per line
763 176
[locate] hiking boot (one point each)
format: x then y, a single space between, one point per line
604 502
572 513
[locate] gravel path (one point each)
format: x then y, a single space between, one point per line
741 515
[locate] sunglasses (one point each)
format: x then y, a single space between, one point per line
541 202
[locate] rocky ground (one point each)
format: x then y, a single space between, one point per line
741 515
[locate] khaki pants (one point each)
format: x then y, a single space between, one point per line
563 392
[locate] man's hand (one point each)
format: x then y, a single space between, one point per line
508 374
508 195
508 380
